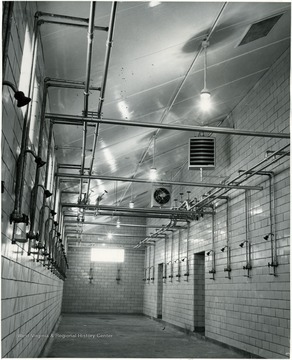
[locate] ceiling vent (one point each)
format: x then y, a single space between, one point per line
259 29
201 153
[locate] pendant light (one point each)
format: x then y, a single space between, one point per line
131 203
205 103
153 170
118 223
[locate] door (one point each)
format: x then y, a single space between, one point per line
199 292
159 291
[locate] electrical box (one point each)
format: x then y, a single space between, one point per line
201 153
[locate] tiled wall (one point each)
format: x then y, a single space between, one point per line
250 313
31 294
104 294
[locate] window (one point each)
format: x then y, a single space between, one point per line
107 255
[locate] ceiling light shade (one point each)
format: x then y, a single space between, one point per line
205 102
153 174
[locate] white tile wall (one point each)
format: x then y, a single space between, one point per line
252 314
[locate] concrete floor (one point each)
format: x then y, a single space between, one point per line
127 336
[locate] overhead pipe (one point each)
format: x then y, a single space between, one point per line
162 182
126 209
112 224
41 22
59 16
191 128
240 178
125 214
109 45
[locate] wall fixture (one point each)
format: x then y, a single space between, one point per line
153 170
228 267
38 160
90 275
212 271
205 103
22 100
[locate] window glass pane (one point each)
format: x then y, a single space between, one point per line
107 255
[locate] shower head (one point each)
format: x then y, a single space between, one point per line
268 235
53 212
222 249
241 244
209 252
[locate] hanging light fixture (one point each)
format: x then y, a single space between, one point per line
153 170
205 93
131 204
109 235
118 223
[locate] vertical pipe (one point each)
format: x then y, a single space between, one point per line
33 206
19 186
165 257
274 220
6 31
153 267
149 266
271 219
171 257
187 257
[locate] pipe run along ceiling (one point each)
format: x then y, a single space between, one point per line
156 46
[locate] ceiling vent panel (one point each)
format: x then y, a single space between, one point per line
201 153
259 29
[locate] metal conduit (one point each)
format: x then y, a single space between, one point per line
125 209
109 44
212 196
90 37
191 128
166 182
41 22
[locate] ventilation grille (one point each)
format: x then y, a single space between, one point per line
259 29
201 153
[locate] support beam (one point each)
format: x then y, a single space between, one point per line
192 128
166 182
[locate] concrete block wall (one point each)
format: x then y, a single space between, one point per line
31 294
105 294
250 313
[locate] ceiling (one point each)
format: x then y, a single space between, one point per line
154 46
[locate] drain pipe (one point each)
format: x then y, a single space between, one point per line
16 215
90 39
109 45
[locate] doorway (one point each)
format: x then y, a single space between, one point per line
159 291
199 292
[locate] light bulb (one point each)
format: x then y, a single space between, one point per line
118 224
205 103
131 204
153 174
109 236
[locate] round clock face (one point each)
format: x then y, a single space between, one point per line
161 196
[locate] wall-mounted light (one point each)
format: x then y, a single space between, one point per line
205 102
38 160
22 100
